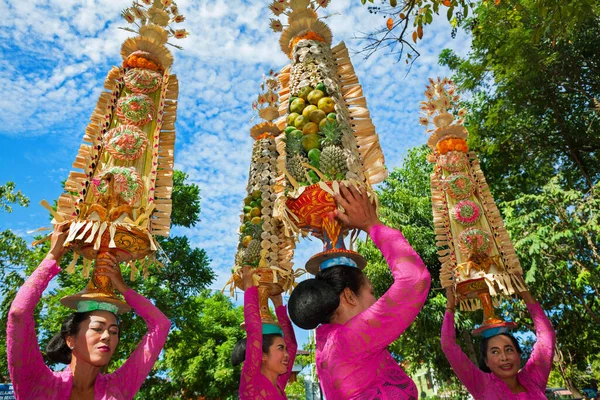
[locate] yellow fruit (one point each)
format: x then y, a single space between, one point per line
323 122
300 122
326 104
297 105
307 110
246 240
303 93
310 142
247 200
317 116
255 212
315 96
255 220
310 128
256 194
291 118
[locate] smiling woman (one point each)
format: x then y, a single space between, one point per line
500 375
86 342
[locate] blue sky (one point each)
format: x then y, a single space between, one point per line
54 57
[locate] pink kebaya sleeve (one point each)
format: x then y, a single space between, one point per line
253 360
392 314
290 343
540 362
131 375
468 373
25 362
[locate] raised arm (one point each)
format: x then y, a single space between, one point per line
25 362
392 314
472 377
290 342
539 365
252 362
131 375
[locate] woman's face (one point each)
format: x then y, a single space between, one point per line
97 339
502 357
365 297
277 358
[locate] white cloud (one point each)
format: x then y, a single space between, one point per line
56 53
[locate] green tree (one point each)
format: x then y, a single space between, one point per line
407 20
8 197
530 115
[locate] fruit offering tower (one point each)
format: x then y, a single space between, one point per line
477 256
121 195
263 243
328 137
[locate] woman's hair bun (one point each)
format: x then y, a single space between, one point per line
312 303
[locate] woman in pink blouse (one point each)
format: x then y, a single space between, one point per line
268 352
499 376
86 342
355 328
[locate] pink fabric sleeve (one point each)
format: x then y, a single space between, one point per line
468 373
540 362
290 342
25 362
252 363
131 375
384 321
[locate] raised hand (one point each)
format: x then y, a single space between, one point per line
451 304
108 266
277 300
57 242
359 211
247 277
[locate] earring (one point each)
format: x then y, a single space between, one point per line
71 347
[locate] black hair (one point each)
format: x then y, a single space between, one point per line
57 349
483 348
238 355
314 301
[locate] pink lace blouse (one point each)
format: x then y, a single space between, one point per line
352 359
30 376
253 384
486 386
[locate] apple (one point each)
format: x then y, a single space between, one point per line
326 104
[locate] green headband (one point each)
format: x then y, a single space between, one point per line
91 305
269 329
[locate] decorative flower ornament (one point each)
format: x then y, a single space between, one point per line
157 15
466 212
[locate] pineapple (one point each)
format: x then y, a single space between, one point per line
333 159
251 254
295 157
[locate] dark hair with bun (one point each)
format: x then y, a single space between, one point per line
238 355
483 348
314 301
57 349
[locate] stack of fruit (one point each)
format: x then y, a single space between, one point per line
314 150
